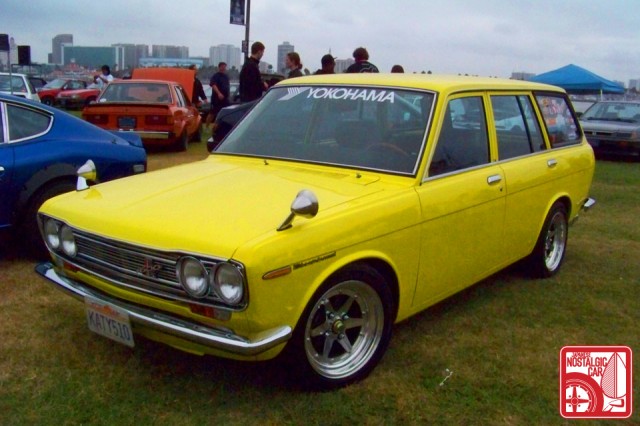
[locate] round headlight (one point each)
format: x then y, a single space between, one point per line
51 236
68 241
228 283
193 277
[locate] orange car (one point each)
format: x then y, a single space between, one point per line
154 103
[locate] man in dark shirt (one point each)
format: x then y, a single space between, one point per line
251 84
220 88
362 62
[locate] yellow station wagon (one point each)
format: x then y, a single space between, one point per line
338 206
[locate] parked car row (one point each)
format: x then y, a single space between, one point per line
613 128
338 206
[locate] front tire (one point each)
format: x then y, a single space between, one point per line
345 329
548 254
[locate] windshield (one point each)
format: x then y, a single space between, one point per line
137 92
613 111
55 84
382 129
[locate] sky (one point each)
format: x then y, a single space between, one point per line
477 37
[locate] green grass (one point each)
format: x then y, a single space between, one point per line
501 339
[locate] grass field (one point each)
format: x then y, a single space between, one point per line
497 342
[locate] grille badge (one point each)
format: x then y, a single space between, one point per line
150 268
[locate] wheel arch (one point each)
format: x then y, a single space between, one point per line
41 180
381 265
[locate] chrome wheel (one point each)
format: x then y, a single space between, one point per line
344 329
555 241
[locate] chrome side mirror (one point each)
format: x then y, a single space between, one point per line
86 172
305 204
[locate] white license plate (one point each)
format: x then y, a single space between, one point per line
109 321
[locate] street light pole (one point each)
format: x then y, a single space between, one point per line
247 15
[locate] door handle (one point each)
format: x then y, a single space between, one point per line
493 179
552 163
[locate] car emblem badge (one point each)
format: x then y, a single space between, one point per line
150 268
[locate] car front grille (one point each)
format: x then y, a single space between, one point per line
143 269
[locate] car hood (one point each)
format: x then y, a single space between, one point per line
213 206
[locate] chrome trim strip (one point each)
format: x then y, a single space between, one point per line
148 134
213 337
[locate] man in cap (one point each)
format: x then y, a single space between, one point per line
328 65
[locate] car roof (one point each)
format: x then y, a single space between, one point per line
435 82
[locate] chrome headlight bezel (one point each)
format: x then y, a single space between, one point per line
67 241
227 281
51 231
193 277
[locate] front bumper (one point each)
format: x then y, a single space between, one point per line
212 337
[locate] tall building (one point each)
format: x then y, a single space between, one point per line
228 53
283 49
57 45
165 51
343 64
133 53
94 57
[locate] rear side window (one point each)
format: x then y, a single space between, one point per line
25 123
560 122
463 140
517 128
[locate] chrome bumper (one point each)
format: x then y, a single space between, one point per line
588 204
216 338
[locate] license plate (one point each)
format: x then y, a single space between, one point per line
109 321
126 122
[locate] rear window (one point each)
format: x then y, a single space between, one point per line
559 120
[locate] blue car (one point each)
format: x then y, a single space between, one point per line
41 149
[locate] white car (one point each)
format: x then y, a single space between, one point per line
17 85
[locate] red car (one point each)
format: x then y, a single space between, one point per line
50 90
155 104
77 99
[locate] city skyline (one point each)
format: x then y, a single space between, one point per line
491 38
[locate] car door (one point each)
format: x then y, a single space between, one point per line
6 171
462 201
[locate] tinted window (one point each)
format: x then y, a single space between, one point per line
463 140
560 122
517 128
24 123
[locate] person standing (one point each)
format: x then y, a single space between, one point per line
104 78
220 89
198 91
251 85
292 61
362 63
328 65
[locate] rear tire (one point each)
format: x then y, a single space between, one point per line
47 100
182 144
344 330
197 136
548 254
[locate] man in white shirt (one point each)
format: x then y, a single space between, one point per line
104 78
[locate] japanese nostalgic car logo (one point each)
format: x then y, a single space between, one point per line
150 268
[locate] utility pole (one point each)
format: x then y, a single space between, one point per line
247 15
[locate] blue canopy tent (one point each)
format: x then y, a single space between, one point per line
577 80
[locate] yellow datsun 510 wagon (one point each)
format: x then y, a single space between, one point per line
337 207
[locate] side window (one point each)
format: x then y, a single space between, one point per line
25 123
181 101
560 122
463 140
517 128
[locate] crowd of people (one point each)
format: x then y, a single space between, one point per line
252 85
